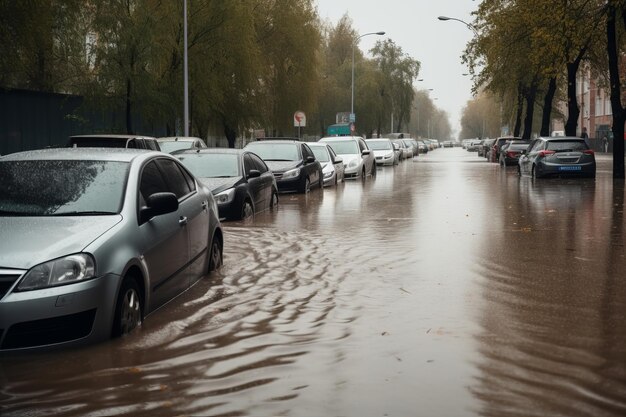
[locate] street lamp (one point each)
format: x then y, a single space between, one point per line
469 26
353 44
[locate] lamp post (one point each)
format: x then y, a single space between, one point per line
469 26
353 45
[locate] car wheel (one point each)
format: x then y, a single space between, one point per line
336 175
363 173
128 309
374 170
519 171
534 173
320 181
247 210
216 256
502 163
274 200
306 186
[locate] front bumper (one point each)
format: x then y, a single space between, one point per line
67 315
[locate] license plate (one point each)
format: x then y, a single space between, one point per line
570 168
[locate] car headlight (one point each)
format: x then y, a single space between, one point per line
294 173
225 196
389 155
353 163
67 270
328 174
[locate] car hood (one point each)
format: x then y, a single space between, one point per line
383 152
29 241
347 158
217 185
282 166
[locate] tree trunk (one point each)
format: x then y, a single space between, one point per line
518 113
231 135
547 108
530 96
129 121
619 115
572 102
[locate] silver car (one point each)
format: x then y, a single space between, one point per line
383 151
332 165
95 239
358 159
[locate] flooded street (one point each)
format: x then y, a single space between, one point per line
446 286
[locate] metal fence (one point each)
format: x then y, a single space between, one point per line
35 120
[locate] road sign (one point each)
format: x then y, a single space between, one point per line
299 119
352 117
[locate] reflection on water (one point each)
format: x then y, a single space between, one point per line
445 286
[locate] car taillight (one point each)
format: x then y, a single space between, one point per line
512 154
589 151
546 153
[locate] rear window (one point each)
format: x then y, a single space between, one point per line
567 145
95 142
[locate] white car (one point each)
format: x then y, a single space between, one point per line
332 165
383 151
358 159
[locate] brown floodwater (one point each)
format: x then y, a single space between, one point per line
447 286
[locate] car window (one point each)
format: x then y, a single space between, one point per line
190 181
567 145
258 162
306 152
248 164
174 178
132 143
362 145
62 187
151 144
321 153
344 147
537 146
151 181
211 165
275 151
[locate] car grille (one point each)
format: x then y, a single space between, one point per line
6 282
49 331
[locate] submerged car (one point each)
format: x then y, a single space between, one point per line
558 156
511 151
358 159
383 151
94 240
292 162
332 165
240 181
179 143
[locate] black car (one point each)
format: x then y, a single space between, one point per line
240 181
511 151
558 156
292 162
114 141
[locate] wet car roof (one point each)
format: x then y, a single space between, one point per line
100 154
212 150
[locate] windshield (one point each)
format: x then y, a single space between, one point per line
47 188
379 145
567 145
344 147
211 165
172 146
275 151
320 152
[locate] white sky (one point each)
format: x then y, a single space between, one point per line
413 25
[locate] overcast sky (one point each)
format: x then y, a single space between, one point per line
413 25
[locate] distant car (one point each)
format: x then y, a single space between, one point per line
494 155
483 149
511 151
397 152
332 165
412 143
114 141
240 181
358 159
558 156
422 147
292 162
473 145
404 150
383 151
92 242
448 144
179 143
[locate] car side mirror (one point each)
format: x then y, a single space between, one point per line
365 152
339 160
254 173
309 159
158 204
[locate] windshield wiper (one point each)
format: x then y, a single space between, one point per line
83 213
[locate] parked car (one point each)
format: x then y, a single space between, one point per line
558 156
473 145
484 147
114 141
292 162
95 241
240 181
412 143
422 147
332 165
358 160
511 151
448 144
404 150
494 155
397 152
176 143
383 151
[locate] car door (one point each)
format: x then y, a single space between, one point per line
338 165
167 242
255 184
267 180
311 166
367 159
